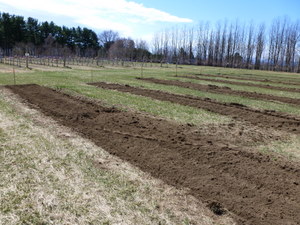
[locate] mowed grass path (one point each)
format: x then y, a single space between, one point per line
251 81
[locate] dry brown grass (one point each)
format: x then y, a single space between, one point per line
289 149
4 68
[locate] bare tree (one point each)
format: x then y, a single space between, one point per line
122 49
157 49
235 59
292 37
174 44
250 46
233 45
141 50
211 49
276 43
190 45
216 57
223 44
108 36
260 45
183 49
229 51
199 52
166 50
205 42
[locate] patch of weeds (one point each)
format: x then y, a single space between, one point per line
288 149
187 221
32 218
3 135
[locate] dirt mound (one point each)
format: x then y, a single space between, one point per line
297 90
223 90
248 185
269 119
249 78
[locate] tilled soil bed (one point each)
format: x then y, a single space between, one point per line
223 90
265 119
250 186
249 78
297 90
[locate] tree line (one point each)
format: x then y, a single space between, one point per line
226 44
232 44
19 36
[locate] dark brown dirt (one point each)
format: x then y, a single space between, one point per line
297 90
249 78
250 186
223 90
265 119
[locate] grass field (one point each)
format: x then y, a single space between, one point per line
48 173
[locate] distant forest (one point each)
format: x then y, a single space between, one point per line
226 44
19 36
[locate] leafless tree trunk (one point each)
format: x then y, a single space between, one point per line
211 50
216 57
199 52
235 43
277 34
250 46
166 46
292 37
260 45
223 44
174 44
190 46
232 45
229 53
205 43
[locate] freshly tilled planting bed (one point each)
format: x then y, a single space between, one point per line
223 90
265 119
250 186
249 78
297 90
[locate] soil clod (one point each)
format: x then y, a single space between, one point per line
216 208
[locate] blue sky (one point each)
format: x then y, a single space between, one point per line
142 18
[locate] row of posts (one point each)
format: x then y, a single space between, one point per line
64 61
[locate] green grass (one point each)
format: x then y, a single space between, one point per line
76 79
49 177
260 74
244 88
267 105
176 112
252 82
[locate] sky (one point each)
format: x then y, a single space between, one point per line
140 19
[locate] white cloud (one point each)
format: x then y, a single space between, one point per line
104 24
119 15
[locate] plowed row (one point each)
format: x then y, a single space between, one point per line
264 119
223 90
249 78
297 90
251 186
